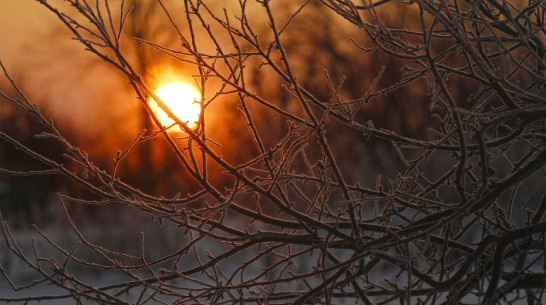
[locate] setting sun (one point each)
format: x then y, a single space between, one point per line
182 99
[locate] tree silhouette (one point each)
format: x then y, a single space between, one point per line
287 211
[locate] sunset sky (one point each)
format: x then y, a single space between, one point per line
22 24
54 71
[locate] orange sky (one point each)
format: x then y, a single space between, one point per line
51 68
22 23
57 73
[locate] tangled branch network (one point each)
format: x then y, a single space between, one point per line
325 203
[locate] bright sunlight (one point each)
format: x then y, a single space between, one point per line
182 99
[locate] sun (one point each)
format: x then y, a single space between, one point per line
182 99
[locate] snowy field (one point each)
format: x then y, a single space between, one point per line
159 241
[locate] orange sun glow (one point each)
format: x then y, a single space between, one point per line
182 99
